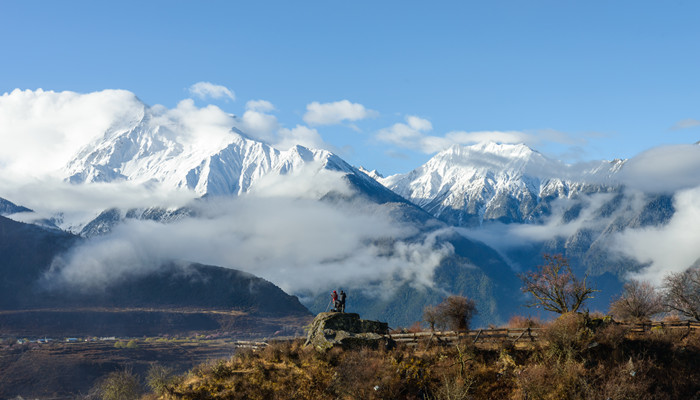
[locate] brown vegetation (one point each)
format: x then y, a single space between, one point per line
683 292
580 358
638 303
455 312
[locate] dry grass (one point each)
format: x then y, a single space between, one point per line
518 322
574 362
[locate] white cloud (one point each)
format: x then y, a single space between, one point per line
669 248
686 123
461 137
207 128
414 135
205 90
409 135
299 244
259 105
504 237
76 204
312 181
335 113
260 125
663 169
419 124
41 130
300 135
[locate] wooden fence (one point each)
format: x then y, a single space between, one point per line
474 336
652 326
525 335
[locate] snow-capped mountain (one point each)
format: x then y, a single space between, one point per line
467 185
143 150
525 204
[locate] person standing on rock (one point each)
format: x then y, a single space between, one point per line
342 301
334 299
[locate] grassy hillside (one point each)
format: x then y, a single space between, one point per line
575 361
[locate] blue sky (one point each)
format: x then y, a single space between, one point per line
576 80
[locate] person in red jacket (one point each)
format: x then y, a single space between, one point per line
334 298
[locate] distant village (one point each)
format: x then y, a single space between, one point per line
68 340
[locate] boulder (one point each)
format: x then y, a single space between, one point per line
347 330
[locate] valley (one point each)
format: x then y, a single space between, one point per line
66 370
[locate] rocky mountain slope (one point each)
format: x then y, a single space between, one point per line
469 185
500 191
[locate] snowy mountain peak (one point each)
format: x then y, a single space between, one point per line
372 174
150 146
518 150
466 185
491 156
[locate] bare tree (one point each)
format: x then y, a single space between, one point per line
431 315
639 302
555 287
683 292
457 311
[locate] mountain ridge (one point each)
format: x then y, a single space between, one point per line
468 185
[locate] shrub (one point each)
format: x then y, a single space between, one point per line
457 312
159 378
567 336
612 335
453 388
629 380
119 385
541 381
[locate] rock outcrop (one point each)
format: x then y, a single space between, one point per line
347 330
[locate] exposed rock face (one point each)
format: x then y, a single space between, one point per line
347 330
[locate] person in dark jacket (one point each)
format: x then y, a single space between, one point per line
342 301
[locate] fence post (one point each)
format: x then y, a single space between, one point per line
477 336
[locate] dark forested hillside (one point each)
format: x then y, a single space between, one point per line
26 254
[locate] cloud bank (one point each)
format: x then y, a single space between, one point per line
280 231
669 248
664 169
302 245
41 130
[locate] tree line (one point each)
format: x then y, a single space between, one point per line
554 287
